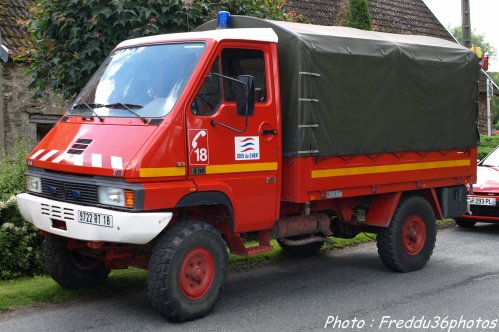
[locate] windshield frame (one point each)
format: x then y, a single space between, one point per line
84 113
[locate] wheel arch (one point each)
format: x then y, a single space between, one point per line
207 198
383 206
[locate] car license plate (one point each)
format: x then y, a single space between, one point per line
482 201
95 219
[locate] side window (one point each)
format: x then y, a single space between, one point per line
210 94
237 62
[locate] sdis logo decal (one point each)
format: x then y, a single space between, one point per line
247 147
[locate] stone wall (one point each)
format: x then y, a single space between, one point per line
21 114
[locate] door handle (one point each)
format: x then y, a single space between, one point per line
268 132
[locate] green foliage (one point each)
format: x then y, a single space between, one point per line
12 170
68 40
487 144
20 251
495 99
476 39
358 15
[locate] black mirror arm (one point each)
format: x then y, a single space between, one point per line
226 77
214 123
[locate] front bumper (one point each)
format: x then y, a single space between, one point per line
128 227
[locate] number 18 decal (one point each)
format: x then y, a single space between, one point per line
198 147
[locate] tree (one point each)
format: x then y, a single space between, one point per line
358 15
69 39
476 39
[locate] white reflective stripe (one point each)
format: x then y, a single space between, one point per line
37 153
116 162
96 160
60 158
78 159
49 154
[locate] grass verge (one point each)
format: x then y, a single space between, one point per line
39 290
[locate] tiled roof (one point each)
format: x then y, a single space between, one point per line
320 12
395 16
11 11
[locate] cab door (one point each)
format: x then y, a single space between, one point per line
224 154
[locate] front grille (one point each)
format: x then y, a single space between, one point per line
58 213
69 192
485 211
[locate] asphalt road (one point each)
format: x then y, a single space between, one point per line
461 282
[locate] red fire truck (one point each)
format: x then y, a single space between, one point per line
182 143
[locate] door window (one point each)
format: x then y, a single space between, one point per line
237 62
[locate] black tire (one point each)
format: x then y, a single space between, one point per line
465 223
171 295
402 252
69 268
304 250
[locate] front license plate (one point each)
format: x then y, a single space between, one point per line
95 219
482 201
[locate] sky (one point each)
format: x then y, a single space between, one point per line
484 19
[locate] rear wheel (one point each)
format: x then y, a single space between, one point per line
465 223
70 268
187 271
407 244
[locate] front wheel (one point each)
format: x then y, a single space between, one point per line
70 268
187 271
407 244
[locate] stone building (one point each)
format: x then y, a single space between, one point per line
20 116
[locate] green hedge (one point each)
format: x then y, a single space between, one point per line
487 144
20 244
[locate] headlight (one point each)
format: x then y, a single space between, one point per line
111 196
116 197
33 184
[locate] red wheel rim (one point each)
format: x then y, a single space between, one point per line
413 235
196 273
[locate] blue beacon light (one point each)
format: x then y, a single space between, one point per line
223 20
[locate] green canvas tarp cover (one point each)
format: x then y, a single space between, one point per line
347 92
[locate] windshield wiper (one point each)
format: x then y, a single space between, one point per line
91 108
127 107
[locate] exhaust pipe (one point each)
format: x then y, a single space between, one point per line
302 225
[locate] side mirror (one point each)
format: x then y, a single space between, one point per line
245 95
4 53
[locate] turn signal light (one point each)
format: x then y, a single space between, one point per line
129 199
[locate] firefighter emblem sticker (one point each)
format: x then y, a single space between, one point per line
198 147
247 147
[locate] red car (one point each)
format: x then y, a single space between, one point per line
484 201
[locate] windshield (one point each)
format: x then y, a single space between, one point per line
492 160
139 82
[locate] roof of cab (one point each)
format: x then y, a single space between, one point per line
250 34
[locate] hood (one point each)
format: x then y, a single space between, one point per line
94 149
487 179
